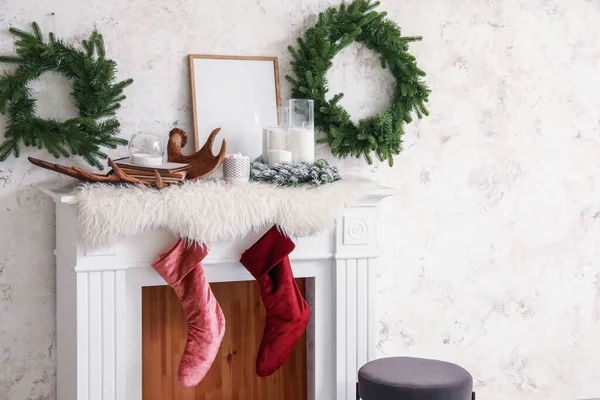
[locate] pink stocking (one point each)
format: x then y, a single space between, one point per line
181 267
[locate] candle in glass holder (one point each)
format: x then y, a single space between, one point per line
275 133
146 149
302 130
279 147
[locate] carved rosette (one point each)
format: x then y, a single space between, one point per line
357 230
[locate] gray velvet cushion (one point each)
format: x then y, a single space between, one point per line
407 378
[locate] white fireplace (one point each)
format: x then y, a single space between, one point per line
99 301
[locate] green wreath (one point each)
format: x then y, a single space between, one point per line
93 92
336 29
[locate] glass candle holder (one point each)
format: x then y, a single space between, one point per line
146 149
302 130
277 146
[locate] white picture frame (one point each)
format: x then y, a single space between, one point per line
238 94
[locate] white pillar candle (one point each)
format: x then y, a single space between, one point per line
146 160
279 156
303 145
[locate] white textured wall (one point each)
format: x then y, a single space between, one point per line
489 253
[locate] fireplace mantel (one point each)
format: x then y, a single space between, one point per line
99 338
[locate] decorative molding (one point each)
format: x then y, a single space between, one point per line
103 251
357 230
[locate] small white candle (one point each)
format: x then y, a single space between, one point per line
279 156
236 168
303 145
146 160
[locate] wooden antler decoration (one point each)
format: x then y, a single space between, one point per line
82 175
203 163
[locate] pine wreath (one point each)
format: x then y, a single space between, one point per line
336 29
94 94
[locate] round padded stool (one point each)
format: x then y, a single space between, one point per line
408 378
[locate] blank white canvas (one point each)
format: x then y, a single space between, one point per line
238 96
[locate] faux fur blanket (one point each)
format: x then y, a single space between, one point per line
210 211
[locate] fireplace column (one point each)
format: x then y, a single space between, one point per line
355 281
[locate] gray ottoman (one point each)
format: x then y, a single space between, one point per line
407 378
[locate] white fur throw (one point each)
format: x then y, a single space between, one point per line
210 211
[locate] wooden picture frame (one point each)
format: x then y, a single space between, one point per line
231 92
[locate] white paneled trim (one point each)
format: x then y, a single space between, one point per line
341 326
362 312
355 322
83 337
104 251
101 318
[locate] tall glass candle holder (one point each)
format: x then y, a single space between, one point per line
302 130
278 148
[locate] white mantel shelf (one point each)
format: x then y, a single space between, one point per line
99 309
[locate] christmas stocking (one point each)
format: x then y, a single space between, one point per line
287 311
181 268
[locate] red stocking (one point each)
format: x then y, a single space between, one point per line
287 311
181 268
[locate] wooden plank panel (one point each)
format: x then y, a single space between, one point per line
232 375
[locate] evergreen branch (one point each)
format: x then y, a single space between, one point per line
100 46
22 34
286 174
37 32
11 59
94 94
335 29
7 147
